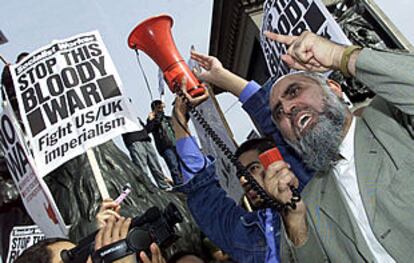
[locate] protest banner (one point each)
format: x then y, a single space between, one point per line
21 238
34 192
211 112
70 99
292 18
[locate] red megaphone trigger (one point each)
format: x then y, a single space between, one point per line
269 157
153 36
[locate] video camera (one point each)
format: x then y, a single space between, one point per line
152 226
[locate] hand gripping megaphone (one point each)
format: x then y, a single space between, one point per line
153 36
273 155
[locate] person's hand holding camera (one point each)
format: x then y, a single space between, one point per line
108 208
113 231
156 255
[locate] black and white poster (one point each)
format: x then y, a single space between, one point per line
292 18
225 170
34 193
21 238
70 99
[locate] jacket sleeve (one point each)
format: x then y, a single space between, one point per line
151 125
257 106
389 75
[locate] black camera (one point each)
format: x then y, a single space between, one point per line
152 226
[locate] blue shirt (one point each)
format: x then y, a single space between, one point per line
251 88
191 155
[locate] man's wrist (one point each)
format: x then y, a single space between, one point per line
352 62
348 58
295 215
231 82
296 225
180 125
337 56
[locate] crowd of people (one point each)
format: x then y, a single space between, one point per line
354 174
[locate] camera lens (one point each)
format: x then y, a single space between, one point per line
139 239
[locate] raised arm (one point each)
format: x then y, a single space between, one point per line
387 74
214 73
255 102
311 52
299 240
390 76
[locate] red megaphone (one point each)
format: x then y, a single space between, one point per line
270 156
153 36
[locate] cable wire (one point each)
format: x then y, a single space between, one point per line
241 170
143 74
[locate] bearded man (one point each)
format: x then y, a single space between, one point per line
359 206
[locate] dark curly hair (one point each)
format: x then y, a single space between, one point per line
259 144
39 252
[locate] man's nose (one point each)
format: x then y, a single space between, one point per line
289 108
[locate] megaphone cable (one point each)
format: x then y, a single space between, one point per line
241 170
144 75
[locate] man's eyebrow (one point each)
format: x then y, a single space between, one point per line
251 164
285 94
289 88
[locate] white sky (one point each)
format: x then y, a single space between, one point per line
400 12
39 22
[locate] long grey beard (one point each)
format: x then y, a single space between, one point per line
319 147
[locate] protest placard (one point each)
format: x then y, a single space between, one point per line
70 99
35 194
292 18
21 238
225 169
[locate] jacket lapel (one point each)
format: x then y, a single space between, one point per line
332 204
367 164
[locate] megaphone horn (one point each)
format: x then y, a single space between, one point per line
153 36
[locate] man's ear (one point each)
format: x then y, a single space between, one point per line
335 87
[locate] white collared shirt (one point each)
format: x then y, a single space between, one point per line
345 174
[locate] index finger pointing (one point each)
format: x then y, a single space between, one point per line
198 56
284 39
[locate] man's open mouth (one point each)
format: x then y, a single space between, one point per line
303 121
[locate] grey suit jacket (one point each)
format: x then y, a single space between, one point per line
384 161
